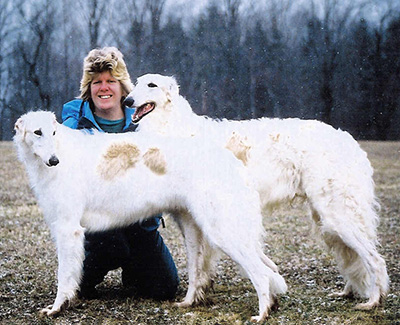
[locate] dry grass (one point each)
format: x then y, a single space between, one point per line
28 265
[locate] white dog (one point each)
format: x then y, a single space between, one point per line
285 159
95 182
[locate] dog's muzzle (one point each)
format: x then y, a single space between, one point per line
53 161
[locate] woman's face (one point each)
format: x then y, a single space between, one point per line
106 92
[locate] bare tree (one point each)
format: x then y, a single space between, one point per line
6 9
235 92
268 55
66 47
35 48
93 13
386 75
155 9
96 10
335 18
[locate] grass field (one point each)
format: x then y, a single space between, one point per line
28 265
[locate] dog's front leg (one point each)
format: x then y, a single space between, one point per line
69 240
200 261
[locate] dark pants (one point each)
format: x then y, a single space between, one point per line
147 265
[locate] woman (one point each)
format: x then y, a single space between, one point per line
147 265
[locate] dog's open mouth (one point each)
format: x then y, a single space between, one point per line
142 111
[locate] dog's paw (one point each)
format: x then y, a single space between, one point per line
257 319
48 311
367 305
183 304
262 317
341 294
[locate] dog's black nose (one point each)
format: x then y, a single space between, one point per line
129 101
53 161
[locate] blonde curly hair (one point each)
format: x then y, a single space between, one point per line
101 60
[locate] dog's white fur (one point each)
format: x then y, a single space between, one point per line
286 158
97 181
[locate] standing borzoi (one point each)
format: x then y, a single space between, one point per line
286 158
98 181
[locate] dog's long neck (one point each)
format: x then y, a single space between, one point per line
34 166
176 119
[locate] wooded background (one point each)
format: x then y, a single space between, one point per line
333 60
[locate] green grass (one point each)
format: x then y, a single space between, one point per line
28 265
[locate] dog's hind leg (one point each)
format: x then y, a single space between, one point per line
232 222
70 250
362 266
363 269
266 281
201 259
242 245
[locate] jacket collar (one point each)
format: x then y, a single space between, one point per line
88 114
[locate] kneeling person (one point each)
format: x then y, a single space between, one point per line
147 265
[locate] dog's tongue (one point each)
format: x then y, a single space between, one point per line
147 108
141 111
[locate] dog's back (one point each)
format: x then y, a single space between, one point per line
93 164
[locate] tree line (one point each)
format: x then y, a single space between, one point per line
330 60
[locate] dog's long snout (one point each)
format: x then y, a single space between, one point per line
53 161
129 101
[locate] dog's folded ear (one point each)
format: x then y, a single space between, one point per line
173 88
19 126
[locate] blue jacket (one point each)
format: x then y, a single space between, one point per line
77 114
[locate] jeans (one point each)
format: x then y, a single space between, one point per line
147 265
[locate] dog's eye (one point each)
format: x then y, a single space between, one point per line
38 132
54 133
151 85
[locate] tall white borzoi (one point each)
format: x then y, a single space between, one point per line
98 181
286 158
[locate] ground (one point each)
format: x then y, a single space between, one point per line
28 265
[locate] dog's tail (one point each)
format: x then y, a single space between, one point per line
276 281
268 262
277 284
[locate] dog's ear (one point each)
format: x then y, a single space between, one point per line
173 88
55 123
19 126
